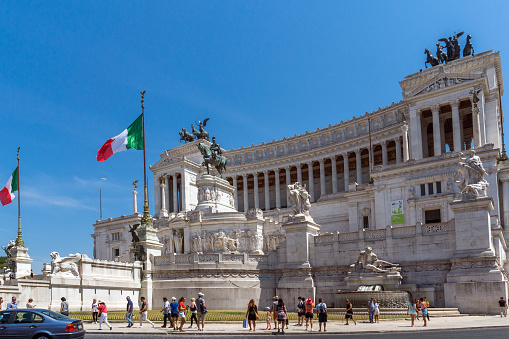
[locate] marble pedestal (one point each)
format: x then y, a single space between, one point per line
475 281
22 261
297 279
215 195
152 247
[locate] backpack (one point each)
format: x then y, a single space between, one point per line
321 308
281 314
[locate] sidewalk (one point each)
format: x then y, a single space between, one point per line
400 325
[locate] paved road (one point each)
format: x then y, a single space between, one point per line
501 332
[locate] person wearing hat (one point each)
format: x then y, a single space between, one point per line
274 310
103 315
201 311
308 307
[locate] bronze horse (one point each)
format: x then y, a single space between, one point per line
430 59
469 49
186 136
218 161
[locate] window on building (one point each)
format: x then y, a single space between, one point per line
430 188
116 252
423 190
439 187
432 216
365 221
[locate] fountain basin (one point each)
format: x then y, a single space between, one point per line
386 299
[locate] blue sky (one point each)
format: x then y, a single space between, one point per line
71 73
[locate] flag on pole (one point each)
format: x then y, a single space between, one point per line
7 193
131 137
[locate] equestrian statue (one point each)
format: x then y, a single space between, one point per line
213 156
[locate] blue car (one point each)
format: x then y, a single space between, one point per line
38 323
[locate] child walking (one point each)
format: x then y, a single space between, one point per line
269 325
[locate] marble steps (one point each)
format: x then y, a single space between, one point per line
433 312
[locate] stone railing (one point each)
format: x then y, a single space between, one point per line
373 235
324 239
233 257
210 258
184 258
348 237
205 258
438 228
403 232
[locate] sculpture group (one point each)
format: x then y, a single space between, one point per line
368 262
213 156
299 198
471 174
196 134
453 49
67 265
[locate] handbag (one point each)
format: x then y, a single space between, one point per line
244 323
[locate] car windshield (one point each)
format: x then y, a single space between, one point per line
54 315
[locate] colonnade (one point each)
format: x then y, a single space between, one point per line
171 195
266 189
450 123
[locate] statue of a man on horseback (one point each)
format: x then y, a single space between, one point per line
213 156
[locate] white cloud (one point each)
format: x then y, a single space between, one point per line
34 197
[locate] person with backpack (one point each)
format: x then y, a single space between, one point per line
308 307
300 313
202 310
282 315
321 308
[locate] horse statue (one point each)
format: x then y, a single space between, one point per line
202 134
430 59
209 157
186 136
441 56
469 49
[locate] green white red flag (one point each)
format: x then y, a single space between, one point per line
131 137
7 193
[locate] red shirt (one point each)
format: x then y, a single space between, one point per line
102 308
182 306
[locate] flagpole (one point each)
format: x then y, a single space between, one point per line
146 219
19 238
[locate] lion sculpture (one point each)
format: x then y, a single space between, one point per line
65 265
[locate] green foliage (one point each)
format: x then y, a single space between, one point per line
2 262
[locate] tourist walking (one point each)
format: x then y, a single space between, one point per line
371 309
12 305
427 307
30 303
308 308
269 321
64 307
412 311
166 312
202 310
503 307
418 308
143 313
274 311
300 312
322 315
182 313
282 315
252 314
95 311
174 309
349 312
194 311
424 311
129 312
103 315
377 312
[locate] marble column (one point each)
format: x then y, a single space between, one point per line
299 173
175 194
415 133
135 201
322 177
167 197
236 193
437 142
278 189
385 157
334 175
404 129
256 195
476 125
358 166
346 170
163 212
482 118
184 203
398 150
246 193
505 192
311 187
442 134
267 192
462 134
456 125
288 182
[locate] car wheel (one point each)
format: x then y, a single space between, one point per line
42 336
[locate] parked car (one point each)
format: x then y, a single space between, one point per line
38 323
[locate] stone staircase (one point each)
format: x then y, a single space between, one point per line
433 312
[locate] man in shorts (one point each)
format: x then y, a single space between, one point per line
503 307
322 315
300 307
202 310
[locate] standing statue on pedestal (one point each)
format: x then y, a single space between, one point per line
300 200
368 261
213 156
471 174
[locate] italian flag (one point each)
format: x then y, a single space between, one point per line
131 137
7 193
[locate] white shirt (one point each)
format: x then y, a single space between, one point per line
95 307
